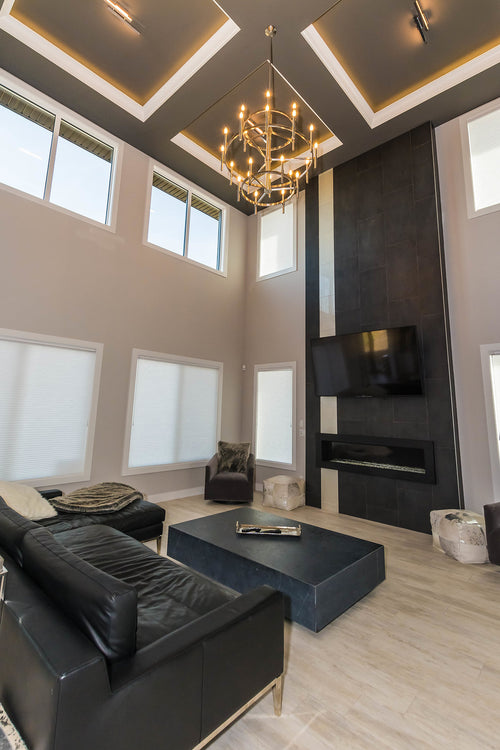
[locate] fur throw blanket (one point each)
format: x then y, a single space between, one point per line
105 497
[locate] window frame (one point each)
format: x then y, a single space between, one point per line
191 188
464 121
63 113
171 359
290 269
57 341
493 425
271 367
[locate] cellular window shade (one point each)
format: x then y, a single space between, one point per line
26 109
45 404
85 141
169 188
174 413
205 208
274 416
277 252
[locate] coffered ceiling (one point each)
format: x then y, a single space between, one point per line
168 82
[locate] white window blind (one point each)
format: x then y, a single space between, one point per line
274 415
277 241
46 403
174 414
484 143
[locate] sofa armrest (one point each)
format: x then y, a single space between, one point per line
207 626
211 469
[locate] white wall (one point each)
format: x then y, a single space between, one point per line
472 252
274 331
66 277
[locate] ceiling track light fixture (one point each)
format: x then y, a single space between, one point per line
123 15
421 21
263 158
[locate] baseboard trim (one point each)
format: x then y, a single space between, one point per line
162 497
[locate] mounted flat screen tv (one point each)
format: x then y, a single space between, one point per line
368 364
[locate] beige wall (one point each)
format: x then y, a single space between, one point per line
473 274
66 277
275 332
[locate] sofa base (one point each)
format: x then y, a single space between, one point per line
276 686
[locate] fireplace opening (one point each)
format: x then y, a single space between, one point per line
412 460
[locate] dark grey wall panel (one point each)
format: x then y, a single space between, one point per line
389 272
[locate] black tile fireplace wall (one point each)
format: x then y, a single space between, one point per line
389 272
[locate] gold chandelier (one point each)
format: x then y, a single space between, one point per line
268 156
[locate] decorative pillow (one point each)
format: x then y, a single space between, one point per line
26 501
232 456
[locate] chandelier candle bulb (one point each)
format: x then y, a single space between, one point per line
268 169
221 157
315 155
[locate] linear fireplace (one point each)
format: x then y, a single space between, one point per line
412 460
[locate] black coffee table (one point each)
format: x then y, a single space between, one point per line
321 573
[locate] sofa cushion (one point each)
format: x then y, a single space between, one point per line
26 501
13 527
232 456
169 596
104 608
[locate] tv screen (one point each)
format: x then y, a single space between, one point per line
370 363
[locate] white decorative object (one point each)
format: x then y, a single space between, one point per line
284 492
436 516
462 536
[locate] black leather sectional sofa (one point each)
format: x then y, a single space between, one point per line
105 645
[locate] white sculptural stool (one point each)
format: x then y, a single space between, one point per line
283 492
461 535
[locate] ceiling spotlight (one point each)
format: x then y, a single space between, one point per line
421 21
123 15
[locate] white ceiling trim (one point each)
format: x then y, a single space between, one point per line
51 52
414 99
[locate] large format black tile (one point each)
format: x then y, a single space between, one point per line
399 216
369 194
434 346
397 163
423 172
371 245
402 271
373 297
414 507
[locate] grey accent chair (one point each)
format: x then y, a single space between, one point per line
229 486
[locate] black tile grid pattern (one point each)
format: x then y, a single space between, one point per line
388 272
